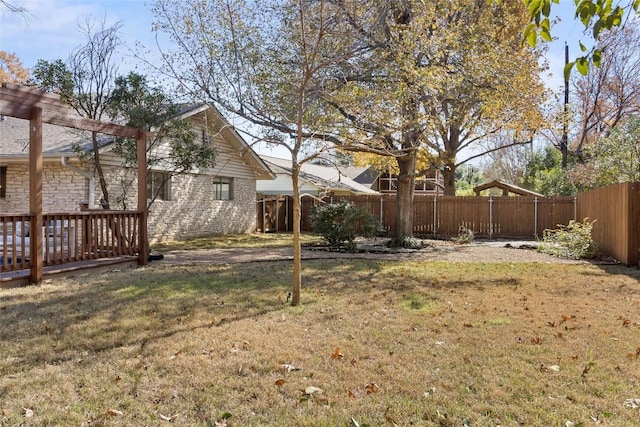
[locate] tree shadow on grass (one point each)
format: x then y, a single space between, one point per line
58 321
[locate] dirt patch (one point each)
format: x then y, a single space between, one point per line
433 250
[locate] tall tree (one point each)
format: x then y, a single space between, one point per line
11 69
440 78
610 93
85 81
613 159
261 61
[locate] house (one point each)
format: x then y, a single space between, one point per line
432 184
315 180
218 200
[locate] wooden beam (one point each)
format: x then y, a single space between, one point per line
143 248
18 102
35 194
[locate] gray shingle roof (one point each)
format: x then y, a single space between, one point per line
56 140
325 177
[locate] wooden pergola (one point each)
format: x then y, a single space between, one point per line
40 107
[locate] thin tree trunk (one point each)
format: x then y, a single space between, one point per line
98 164
297 250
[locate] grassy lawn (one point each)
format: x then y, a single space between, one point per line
374 343
255 240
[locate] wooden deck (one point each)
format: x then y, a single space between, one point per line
17 278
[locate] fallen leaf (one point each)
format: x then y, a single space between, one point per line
631 403
311 390
354 361
372 388
287 367
280 382
336 354
114 413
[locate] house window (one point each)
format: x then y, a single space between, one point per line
3 182
159 185
222 188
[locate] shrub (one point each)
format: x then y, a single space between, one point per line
465 236
343 222
406 242
570 241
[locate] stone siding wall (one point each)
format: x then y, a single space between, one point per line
191 212
62 189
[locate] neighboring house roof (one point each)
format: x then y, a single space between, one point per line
506 188
325 178
362 175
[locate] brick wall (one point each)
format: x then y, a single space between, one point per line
191 212
62 189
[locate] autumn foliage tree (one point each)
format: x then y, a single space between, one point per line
11 69
438 79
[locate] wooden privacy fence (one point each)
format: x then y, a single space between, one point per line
439 215
616 210
68 237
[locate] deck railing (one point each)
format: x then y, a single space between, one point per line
68 237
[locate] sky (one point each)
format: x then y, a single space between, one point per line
51 31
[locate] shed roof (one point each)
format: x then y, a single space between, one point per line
506 188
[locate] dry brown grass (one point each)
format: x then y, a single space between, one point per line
255 240
444 344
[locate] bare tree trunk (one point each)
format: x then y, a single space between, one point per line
403 226
449 175
101 178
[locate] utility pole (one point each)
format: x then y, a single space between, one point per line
565 115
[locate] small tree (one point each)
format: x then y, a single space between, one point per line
147 107
85 81
611 160
11 69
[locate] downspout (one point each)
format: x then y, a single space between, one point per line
92 181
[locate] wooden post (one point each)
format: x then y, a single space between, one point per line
35 193
143 250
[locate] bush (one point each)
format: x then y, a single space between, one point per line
465 236
406 242
571 241
343 222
